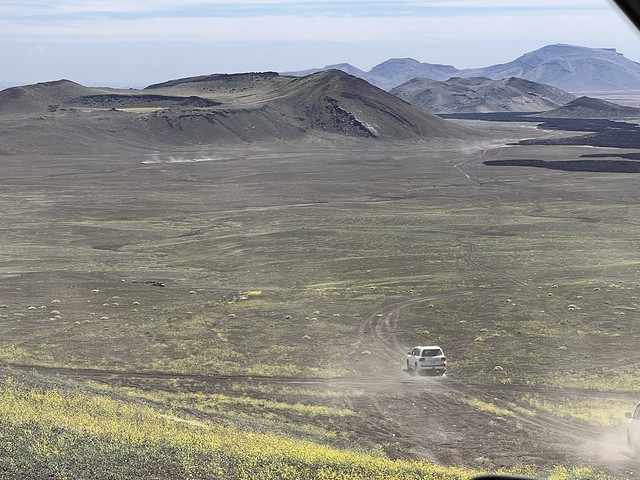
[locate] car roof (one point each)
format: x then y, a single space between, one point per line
427 346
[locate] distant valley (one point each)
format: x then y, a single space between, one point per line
220 276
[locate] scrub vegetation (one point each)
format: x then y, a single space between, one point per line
74 433
246 311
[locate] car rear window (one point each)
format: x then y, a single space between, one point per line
431 352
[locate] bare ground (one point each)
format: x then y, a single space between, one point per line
117 225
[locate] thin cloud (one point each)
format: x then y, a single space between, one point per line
209 7
308 28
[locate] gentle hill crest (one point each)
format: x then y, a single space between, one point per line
37 97
587 107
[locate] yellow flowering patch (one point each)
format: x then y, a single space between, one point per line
595 412
610 381
75 435
487 407
220 402
65 434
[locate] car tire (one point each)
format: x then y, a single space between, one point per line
415 369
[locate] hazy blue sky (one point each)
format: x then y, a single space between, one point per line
138 42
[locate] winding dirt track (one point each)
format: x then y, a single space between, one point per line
431 417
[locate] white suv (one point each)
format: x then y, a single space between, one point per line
429 359
633 430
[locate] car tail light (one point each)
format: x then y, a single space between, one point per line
444 359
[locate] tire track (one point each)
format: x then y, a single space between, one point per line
557 425
403 409
470 258
95 373
379 328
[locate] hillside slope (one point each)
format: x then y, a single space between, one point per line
40 96
481 95
337 102
213 109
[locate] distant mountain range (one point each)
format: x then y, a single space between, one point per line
63 116
481 95
571 68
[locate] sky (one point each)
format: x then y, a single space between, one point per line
134 43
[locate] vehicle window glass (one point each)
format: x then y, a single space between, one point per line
431 352
636 414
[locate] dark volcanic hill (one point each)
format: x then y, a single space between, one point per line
335 101
283 107
592 108
481 95
569 67
207 110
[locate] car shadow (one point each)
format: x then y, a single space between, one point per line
413 373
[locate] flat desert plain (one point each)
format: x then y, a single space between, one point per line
302 272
